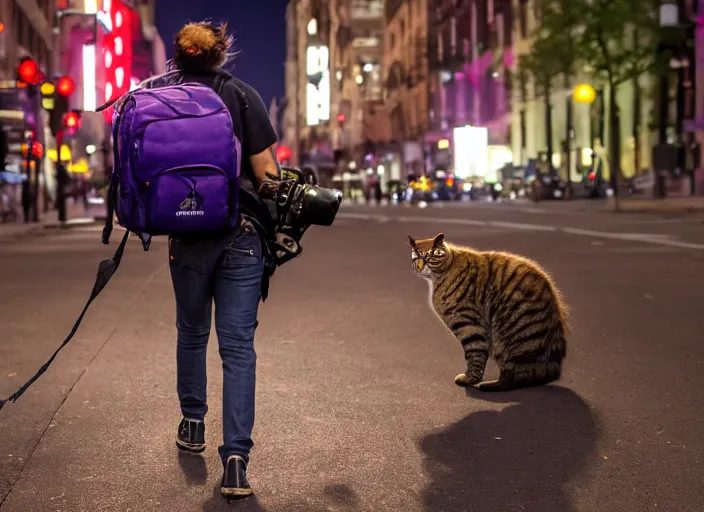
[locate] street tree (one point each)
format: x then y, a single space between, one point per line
542 71
619 43
558 38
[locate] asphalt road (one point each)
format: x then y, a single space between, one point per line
356 405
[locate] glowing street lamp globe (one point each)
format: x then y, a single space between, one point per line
584 93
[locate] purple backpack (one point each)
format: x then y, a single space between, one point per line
177 163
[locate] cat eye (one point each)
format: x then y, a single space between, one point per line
438 252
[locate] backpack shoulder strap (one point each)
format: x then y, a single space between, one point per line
221 79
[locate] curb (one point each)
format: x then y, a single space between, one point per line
46 229
33 231
624 207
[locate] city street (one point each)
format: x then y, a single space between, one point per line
356 406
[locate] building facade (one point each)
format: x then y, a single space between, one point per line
406 83
334 112
107 47
638 107
362 121
469 54
27 32
307 126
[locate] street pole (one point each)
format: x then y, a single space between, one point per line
570 136
60 179
27 202
669 19
664 102
569 113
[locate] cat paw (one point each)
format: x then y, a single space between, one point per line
463 381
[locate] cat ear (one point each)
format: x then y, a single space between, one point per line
439 239
412 242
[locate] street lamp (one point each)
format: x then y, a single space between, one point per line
584 93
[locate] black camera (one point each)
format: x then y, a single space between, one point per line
299 203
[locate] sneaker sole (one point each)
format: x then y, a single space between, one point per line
193 448
235 492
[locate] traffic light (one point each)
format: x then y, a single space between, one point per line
28 72
56 116
72 120
65 86
48 92
55 99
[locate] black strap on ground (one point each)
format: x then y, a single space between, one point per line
106 270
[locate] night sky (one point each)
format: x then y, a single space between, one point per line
259 28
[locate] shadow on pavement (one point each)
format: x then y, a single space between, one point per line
218 503
193 467
334 497
520 458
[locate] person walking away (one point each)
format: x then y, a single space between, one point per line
227 270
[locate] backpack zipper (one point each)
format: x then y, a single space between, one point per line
243 251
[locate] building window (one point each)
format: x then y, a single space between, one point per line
453 35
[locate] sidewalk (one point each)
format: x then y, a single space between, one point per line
75 213
693 204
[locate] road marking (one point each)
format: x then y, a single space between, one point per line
648 238
655 239
437 220
527 227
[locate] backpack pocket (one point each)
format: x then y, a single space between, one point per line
188 200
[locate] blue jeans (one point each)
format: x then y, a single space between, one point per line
230 273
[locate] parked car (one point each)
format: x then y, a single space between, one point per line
549 187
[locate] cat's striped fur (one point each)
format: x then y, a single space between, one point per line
496 303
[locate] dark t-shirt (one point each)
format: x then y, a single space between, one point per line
251 119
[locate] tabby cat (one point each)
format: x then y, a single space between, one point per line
498 303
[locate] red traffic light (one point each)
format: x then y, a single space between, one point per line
28 71
340 118
65 86
72 120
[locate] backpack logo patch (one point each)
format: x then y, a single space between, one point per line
189 207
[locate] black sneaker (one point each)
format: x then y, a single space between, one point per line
191 435
234 479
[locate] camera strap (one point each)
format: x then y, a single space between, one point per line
106 270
